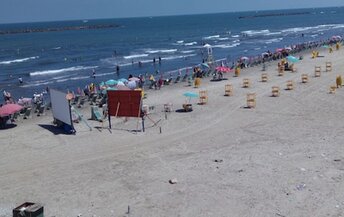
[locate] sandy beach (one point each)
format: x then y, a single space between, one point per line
283 158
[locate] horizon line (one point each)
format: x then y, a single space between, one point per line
167 15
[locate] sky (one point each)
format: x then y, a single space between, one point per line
14 11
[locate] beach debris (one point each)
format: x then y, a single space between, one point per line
302 169
301 186
280 154
240 171
128 212
218 160
79 215
173 181
279 214
336 160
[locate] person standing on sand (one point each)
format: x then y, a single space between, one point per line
20 79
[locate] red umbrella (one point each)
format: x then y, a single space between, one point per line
9 109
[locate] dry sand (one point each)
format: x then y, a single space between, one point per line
283 158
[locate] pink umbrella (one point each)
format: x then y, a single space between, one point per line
9 109
223 69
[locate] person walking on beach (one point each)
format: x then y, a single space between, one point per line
159 60
20 79
93 74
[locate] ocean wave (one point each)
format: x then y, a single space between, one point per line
190 43
180 42
235 36
72 78
18 60
56 48
226 45
318 28
187 51
256 32
211 37
273 33
161 51
37 83
274 40
56 71
178 57
135 56
222 39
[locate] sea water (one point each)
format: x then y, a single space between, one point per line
67 59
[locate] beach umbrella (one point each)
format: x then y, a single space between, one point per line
109 88
9 109
190 95
205 65
134 79
111 82
292 59
123 80
244 58
223 69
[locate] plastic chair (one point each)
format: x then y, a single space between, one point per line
317 71
304 78
246 83
290 85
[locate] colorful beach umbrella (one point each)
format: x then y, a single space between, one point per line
111 82
293 59
9 109
123 80
223 69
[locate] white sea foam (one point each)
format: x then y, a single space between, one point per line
226 45
256 32
318 28
18 60
180 42
135 56
161 51
187 51
222 39
56 48
235 36
273 33
274 40
56 71
211 37
190 43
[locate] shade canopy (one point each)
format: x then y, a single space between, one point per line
9 109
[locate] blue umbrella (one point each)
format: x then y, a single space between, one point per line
293 59
123 80
110 88
191 94
111 82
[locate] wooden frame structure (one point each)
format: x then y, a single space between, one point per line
304 78
251 100
246 83
290 85
328 66
228 90
275 91
333 89
317 71
203 97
